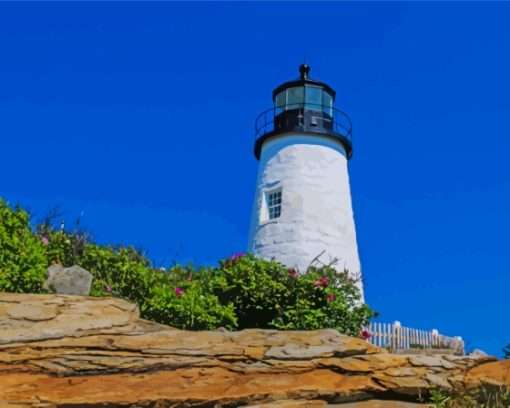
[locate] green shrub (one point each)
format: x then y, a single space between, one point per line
22 253
188 306
267 294
123 270
323 298
256 289
246 292
66 248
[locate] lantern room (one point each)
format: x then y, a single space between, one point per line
304 105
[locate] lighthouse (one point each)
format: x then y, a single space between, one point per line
302 212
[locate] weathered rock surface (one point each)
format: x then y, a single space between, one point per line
58 350
74 280
478 353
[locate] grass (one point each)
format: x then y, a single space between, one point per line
485 396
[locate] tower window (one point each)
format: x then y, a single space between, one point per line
274 204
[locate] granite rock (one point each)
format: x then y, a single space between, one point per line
74 280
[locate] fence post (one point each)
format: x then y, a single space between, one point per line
435 337
396 334
458 345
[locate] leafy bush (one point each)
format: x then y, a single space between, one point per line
189 307
66 248
122 269
267 294
321 298
22 255
256 289
117 270
246 292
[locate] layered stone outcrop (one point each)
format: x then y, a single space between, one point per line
58 350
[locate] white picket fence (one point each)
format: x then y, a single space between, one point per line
395 336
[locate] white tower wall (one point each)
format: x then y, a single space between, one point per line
316 209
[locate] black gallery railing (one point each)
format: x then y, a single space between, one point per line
332 119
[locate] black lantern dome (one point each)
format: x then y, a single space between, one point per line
306 106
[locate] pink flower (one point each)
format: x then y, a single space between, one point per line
292 272
238 255
179 291
331 297
107 288
45 240
364 334
323 282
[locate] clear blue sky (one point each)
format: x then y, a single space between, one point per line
140 116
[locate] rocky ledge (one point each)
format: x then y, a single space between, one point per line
58 350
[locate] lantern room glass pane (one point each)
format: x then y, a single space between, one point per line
313 98
328 104
279 103
295 97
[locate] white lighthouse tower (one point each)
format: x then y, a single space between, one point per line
302 208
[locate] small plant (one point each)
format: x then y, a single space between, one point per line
389 348
65 247
438 398
506 351
441 346
486 396
495 398
416 346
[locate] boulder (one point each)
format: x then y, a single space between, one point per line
74 280
63 350
478 353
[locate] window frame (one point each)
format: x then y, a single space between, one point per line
272 205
